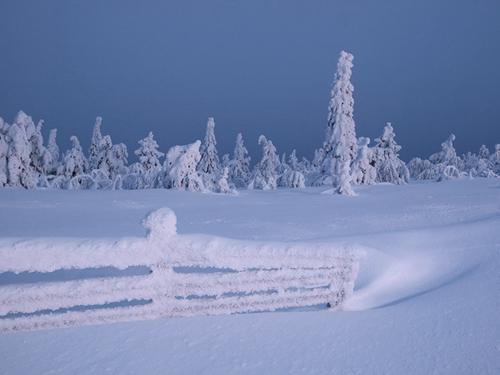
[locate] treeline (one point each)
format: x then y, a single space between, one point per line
27 161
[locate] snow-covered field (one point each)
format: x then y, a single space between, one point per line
426 301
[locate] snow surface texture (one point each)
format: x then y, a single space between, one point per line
426 300
264 276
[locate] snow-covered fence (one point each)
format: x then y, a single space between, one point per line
185 275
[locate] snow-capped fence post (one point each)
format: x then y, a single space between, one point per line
182 275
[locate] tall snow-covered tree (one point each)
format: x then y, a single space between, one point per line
104 163
209 162
340 141
209 166
390 168
20 170
362 170
180 168
149 159
38 151
95 153
74 163
265 174
52 157
4 148
239 167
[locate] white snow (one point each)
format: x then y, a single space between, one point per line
426 301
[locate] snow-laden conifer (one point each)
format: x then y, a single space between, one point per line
20 170
74 163
179 168
239 167
386 159
95 153
209 162
223 185
117 158
340 141
38 151
495 160
265 175
149 159
362 170
4 148
52 156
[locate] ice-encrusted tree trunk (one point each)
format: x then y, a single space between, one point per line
149 159
239 166
340 146
95 151
20 170
265 174
362 170
209 166
74 163
390 168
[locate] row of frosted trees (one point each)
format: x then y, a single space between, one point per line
342 161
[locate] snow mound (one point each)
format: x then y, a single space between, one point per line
161 223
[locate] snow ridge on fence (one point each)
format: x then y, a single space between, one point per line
188 275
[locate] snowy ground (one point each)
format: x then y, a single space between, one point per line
426 301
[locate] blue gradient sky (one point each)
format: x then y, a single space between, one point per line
430 67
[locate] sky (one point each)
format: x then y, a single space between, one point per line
431 67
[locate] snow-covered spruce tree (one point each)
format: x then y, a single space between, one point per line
239 167
52 156
265 175
362 170
149 159
386 159
38 151
291 176
495 160
117 159
447 164
209 166
4 147
74 163
105 152
179 168
95 154
417 166
223 185
484 152
340 141
20 170
485 167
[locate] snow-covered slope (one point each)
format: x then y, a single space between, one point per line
426 301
